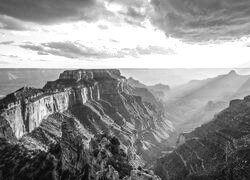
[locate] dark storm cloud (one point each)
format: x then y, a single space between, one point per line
134 13
202 20
130 3
10 23
133 16
52 11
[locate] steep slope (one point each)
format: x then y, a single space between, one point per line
97 100
160 91
73 157
186 100
219 149
135 83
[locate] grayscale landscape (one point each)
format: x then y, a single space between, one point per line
124 90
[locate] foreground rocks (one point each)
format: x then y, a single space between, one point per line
71 159
219 149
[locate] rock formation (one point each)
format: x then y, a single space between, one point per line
62 119
219 149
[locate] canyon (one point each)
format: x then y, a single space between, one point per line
62 120
219 149
97 124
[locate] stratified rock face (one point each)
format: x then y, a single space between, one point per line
69 112
216 150
25 109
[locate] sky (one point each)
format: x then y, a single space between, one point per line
124 33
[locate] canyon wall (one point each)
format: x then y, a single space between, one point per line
26 114
101 100
84 124
216 150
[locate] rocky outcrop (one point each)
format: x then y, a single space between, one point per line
63 117
216 150
25 109
104 157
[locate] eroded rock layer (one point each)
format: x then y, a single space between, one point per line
61 119
219 149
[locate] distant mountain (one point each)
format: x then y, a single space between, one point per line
135 83
13 79
219 149
187 100
159 90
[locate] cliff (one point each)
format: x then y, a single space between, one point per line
85 102
27 107
216 150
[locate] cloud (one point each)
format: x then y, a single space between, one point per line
113 41
6 42
134 12
33 47
103 27
76 50
10 56
140 51
202 20
9 23
154 50
42 53
69 50
53 11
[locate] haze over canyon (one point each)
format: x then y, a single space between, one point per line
99 124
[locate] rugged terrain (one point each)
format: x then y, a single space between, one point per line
86 124
160 91
219 149
188 106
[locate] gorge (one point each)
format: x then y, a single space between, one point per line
97 124
65 116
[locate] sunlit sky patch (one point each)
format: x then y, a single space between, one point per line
124 34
